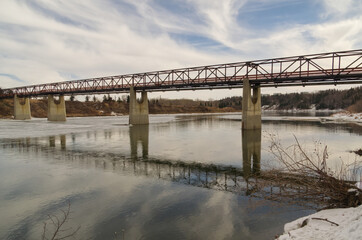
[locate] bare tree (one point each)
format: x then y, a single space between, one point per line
57 225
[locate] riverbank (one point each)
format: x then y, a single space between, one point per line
343 117
342 223
330 101
338 117
39 107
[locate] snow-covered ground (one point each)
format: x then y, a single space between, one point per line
347 117
341 223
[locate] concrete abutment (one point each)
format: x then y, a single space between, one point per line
251 105
138 110
21 108
56 111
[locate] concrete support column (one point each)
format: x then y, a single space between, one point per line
21 109
138 110
56 111
251 105
251 145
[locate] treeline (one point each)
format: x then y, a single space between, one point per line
328 99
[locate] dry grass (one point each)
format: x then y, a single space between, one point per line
334 186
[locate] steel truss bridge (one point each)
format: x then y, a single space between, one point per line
344 67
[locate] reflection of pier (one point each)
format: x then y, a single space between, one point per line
63 141
251 142
138 134
249 180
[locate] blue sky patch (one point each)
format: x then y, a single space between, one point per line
269 16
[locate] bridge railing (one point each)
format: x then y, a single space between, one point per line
325 68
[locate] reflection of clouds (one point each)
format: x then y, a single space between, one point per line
33 185
104 202
197 142
185 212
157 211
215 216
92 195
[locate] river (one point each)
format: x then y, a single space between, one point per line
172 179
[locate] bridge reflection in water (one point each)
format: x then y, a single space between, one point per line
248 180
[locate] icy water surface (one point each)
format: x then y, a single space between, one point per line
161 181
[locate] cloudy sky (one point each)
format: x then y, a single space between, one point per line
44 41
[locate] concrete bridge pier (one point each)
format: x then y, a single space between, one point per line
56 110
251 118
21 108
138 109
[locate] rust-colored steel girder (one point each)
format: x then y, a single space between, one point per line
344 67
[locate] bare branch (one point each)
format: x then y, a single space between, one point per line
325 219
311 171
59 226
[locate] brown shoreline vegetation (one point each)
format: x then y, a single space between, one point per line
93 106
116 107
336 188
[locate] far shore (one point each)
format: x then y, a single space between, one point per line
337 116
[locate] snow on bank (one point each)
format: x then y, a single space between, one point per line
344 117
341 223
347 116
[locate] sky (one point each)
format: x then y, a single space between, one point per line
44 41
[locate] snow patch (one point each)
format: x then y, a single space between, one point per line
359 184
116 114
341 223
347 116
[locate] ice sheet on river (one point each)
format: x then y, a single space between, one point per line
40 127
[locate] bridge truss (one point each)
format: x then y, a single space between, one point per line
344 67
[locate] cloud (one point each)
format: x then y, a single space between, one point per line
337 9
48 41
12 77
